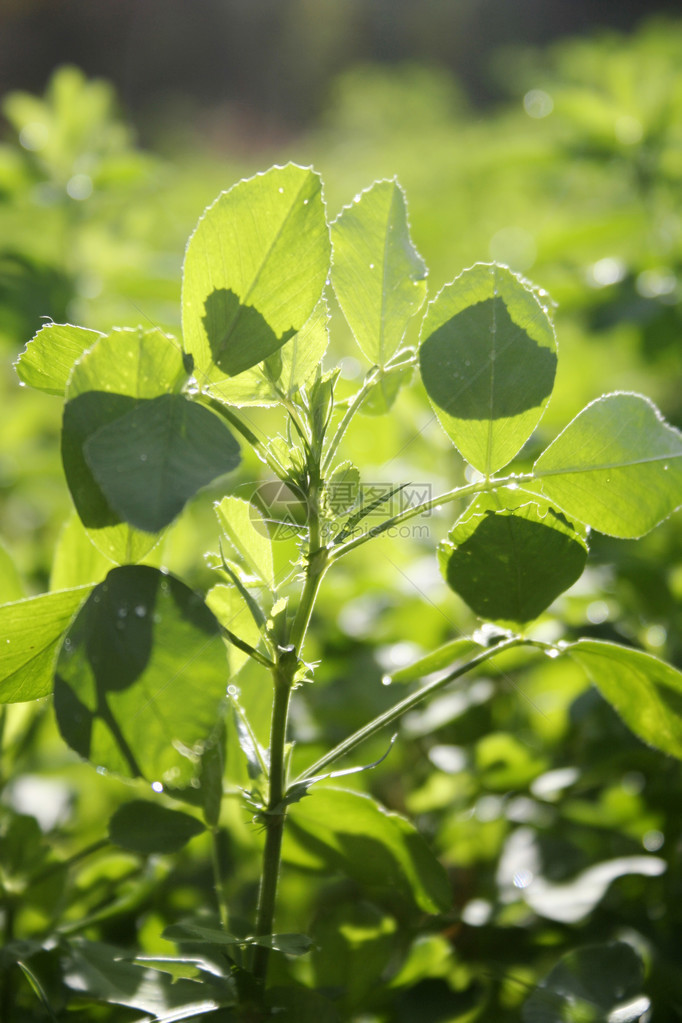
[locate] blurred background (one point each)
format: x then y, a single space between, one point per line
543 134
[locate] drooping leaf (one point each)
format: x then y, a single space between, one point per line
76 559
141 677
617 466
378 276
109 381
254 269
509 563
488 359
48 358
234 614
104 973
245 527
145 827
592 984
645 691
150 461
437 660
341 489
248 388
31 632
336 829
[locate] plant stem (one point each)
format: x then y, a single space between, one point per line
397 711
355 404
283 678
218 883
274 821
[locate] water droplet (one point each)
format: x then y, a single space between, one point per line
386 680
140 610
101 770
67 644
371 266
306 201
22 384
665 468
551 652
512 486
122 612
143 458
281 191
7 641
157 786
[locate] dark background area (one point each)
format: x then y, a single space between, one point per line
274 59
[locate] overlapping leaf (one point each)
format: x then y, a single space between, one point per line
141 677
509 557
254 270
488 360
48 358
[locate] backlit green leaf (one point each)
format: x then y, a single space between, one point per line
444 657
246 530
108 382
646 692
488 360
378 276
31 632
141 677
11 586
254 269
150 461
145 827
48 358
76 560
336 829
509 557
617 466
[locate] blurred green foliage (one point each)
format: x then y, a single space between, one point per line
515 778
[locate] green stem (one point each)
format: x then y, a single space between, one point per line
218 883
358 399
413 700
274 820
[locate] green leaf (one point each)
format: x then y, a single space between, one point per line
291 944
245 528
144 827
153 459
31 632
438 660
592 984
304 353
488 361
141 677
179 967
11 586
378 276
509 560
616 466
646 692
121 370
341 489
336 829
249 388
76 559
232 611
48 358
254 269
